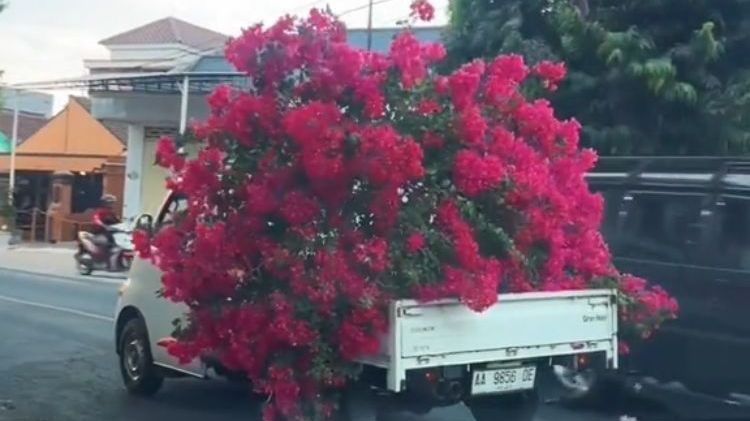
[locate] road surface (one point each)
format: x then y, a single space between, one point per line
57 363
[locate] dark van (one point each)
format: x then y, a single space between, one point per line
684 223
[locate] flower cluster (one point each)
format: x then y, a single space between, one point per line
337 182
423 10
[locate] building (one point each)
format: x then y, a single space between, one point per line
158 46
28 124
62 170
156 80
29 102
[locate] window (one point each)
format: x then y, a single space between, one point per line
660 226
612 201
733 236
176 206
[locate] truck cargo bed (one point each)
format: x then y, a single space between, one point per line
518 327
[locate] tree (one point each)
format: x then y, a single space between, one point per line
645 77
344 178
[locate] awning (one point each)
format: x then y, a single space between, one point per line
53 163
154 82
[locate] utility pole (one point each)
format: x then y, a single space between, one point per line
13 144
369 25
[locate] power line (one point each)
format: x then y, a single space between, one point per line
305 6
208 47
362 7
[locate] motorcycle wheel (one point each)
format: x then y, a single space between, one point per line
84 264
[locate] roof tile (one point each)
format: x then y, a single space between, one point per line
169 30
28 124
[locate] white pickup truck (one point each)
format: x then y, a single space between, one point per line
434 354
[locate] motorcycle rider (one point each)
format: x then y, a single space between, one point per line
103 218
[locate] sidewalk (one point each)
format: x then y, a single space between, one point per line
49 259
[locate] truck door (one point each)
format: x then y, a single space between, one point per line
725 288
159 311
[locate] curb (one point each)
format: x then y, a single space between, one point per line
18 248
89 279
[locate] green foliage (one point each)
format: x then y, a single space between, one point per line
645 77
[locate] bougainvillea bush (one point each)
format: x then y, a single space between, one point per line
345 178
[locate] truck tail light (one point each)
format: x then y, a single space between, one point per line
431 376
582 361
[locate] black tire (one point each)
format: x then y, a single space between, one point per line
139 374
608 391
84 265
361 403
513 407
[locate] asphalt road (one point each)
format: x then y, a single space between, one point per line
57 363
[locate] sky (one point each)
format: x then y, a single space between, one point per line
48 39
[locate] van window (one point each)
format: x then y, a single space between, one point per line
176 206
733 239
658 225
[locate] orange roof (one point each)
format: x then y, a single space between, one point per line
73 140
53 163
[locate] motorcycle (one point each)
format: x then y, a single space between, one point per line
93 253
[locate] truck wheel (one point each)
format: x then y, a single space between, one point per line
140 375
359 403
516 407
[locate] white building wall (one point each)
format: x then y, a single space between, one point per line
153 181
153 110
131 207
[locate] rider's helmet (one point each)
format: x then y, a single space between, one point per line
108 200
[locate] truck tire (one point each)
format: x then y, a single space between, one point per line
139 374
360 403
516 407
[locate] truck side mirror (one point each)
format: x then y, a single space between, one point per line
145 222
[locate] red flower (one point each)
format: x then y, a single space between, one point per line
373 254
428 107
431 140
305 180
472 125
167 155
142 243
510 67
415 242
299 208
551 73
474 174
406 54
422 9
464 83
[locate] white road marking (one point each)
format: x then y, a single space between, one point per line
79 279
56 308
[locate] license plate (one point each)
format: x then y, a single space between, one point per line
503 380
